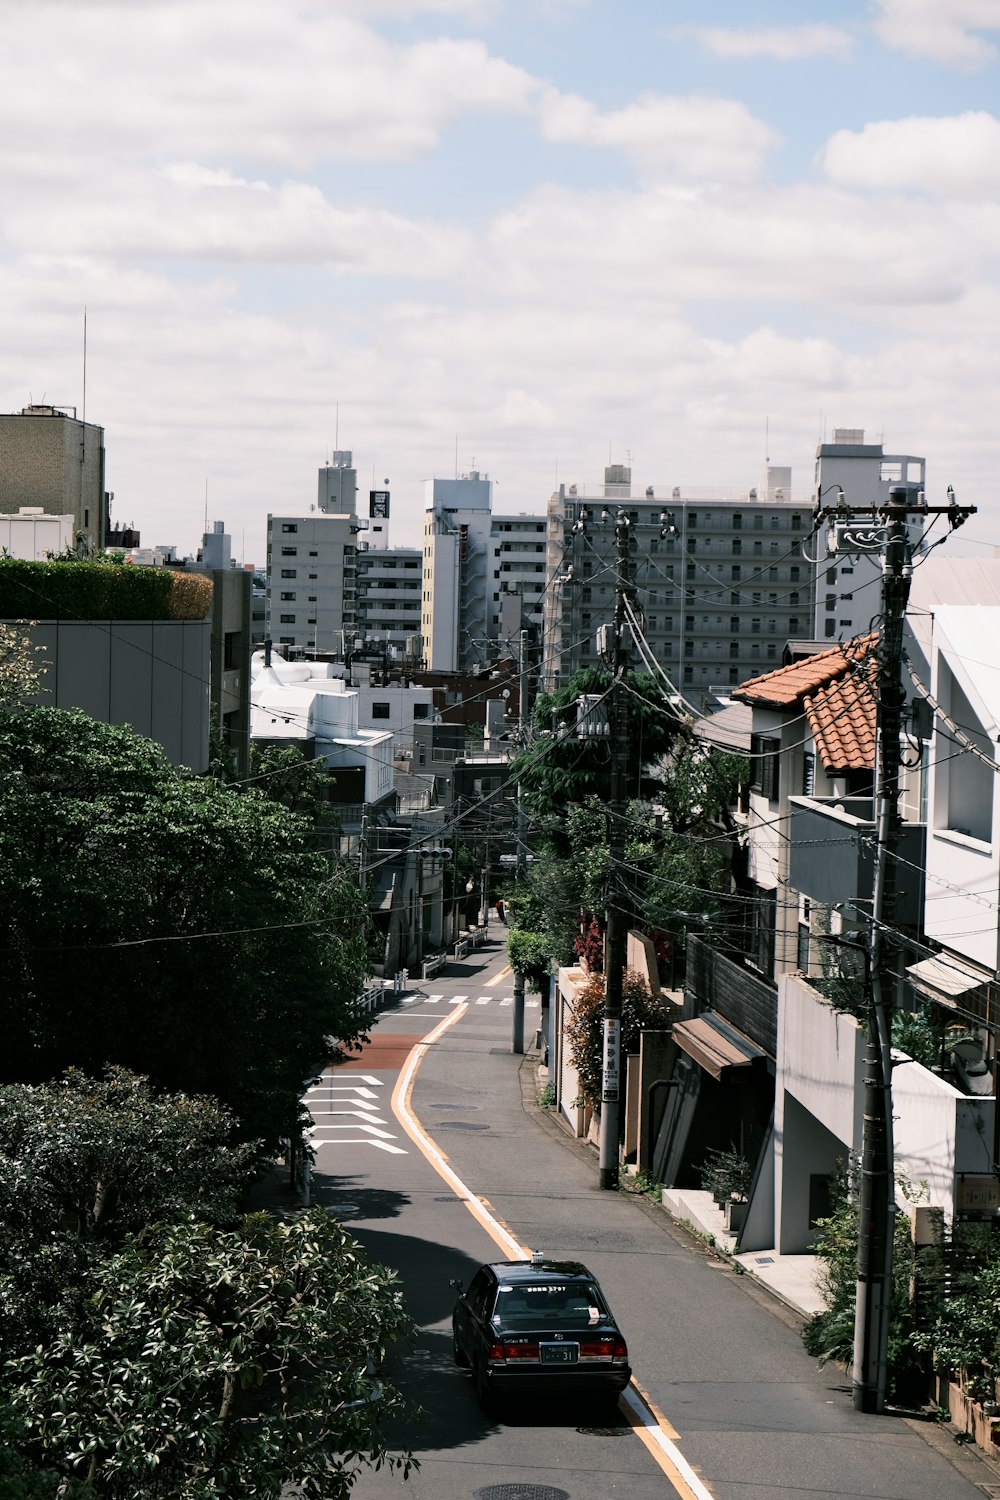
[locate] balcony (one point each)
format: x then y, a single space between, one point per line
832 856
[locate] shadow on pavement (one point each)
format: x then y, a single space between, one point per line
346 1199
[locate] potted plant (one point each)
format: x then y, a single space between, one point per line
727 1175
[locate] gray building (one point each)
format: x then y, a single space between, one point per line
50 459
722 580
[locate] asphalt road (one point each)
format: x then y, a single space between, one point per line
739 1411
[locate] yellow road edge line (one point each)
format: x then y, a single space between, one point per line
643 1422
498 978
649 1424
497 1232
663 1420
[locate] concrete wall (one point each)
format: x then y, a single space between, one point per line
151 674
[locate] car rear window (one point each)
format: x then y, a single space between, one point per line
555 1304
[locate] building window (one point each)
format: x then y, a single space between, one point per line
796 521
289 573
689 648
737 572
831 575
793 624
692 520
758 548
758 523
380 711
288 527
287 619
764 919
689 674
734 648
775 522
734 674
737 521
734 624
289 551
689 571
772 653
830 627
831 603
793 573
765 766
288 598
689 622
421 710
737 546
314 554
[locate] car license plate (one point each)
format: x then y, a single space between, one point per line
558 1354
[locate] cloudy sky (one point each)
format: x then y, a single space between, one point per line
522 235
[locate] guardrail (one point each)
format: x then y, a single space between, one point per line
432 965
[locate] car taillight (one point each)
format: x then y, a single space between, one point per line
521 1351
620 1349
595 1349
495 1354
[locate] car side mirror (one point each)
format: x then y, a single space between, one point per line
457 1284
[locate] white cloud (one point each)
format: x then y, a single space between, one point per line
282 82
953 157
943 30
786 43
692 137
208 214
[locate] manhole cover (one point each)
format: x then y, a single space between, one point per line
460 1125
343 1210
603 1431
521 1492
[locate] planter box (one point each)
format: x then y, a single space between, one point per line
736 1213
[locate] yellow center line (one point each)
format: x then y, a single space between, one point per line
650 1426
504 973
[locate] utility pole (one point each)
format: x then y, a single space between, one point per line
517 1027
617 918
883 529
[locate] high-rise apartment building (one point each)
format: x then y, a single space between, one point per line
483 574
722 581
50 460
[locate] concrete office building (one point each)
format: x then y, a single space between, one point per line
483 574
848 586
719 595
388 601
49 460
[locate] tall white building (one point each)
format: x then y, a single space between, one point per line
483 574
848 587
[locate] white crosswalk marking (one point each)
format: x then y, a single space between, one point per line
458 1000
484 999
507 1000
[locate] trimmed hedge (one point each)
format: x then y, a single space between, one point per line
74 590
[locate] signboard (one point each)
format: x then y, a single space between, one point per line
612 1060
977 1195
378 505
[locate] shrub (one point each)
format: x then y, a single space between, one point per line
69 589
641 1011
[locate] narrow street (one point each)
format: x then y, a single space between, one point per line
437 1158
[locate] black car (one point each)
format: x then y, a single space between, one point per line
538 1325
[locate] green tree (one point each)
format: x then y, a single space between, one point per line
560 767
20 668
209 1364
154 919
84 1163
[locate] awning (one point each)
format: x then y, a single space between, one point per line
715 1045
946 979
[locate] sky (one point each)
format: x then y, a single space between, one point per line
527 237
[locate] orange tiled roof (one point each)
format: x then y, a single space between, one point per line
835 690
788 686
842 719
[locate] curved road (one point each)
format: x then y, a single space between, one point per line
428 1153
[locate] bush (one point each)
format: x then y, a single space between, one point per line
641 1011
67 589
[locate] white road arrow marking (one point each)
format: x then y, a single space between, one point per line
384 1135
356 1113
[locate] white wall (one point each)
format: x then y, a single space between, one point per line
31 536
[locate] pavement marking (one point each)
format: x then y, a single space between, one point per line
484 999
401 1109
500 977
655 1435
327 1098
666 1453
507 1000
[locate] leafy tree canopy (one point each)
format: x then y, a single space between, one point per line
157 920
641 1011
20 666
214 1365
565 768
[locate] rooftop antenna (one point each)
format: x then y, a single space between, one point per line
336 428
84 364
456 455
767 441
206 505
